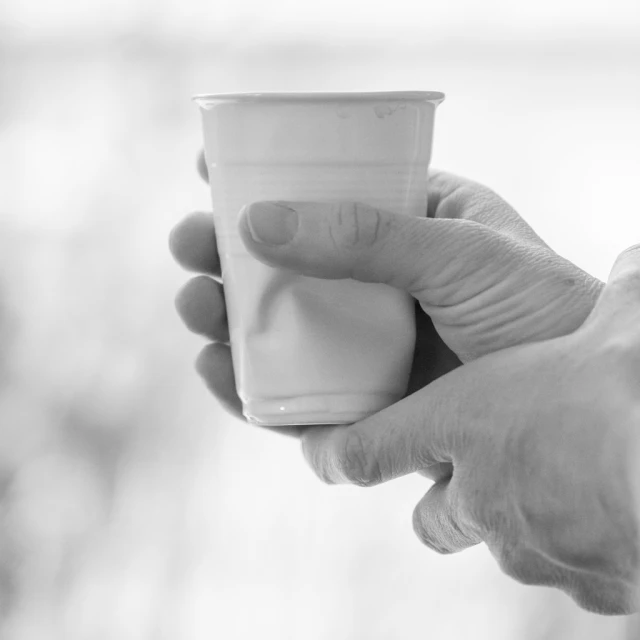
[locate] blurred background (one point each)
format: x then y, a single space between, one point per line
132 506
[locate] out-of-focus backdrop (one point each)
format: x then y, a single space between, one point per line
132 507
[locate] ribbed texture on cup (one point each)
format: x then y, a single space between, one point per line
394 187
328 131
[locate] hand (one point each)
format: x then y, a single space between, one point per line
476 268
532 451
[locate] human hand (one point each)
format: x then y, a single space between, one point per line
485 278
477 269
531 449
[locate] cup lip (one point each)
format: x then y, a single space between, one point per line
205 100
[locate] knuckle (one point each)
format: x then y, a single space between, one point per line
528 567
470 198
356 462
427 532
524 573
358 225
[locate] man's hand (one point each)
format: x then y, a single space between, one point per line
483 280
476 268
531 450
528 447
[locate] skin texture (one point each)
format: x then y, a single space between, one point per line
528 442
482 279
541 441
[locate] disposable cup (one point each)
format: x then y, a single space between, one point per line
307 350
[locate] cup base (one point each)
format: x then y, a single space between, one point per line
317 409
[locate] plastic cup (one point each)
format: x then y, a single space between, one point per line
307 350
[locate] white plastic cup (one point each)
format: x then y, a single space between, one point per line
307 350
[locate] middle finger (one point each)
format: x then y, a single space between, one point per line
193 244
201 306
439 521
455 197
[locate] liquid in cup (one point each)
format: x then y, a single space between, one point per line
307 350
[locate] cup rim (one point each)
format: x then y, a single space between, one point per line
207 99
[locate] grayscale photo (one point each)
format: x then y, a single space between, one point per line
319 320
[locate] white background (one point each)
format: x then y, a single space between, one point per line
133 507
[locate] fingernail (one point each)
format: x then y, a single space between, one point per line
272 223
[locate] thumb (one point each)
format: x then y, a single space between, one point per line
354 240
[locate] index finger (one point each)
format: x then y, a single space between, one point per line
452 197
422 430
